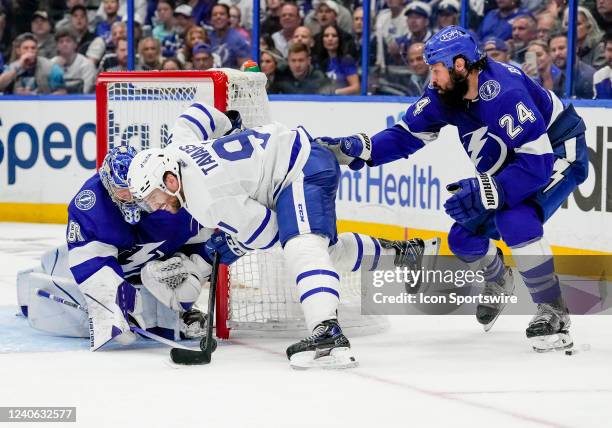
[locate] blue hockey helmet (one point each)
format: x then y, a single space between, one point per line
450 42
113 173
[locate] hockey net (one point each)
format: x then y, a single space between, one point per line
255 295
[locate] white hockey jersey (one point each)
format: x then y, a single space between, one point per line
199 122
232 182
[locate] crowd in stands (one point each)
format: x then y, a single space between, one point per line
306 46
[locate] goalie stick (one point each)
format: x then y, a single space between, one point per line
208 343
45 294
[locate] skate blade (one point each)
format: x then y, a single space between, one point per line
432 248
338 358
510 292
430 255
553 342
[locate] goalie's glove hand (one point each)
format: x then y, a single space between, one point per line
473 197
229 250
353 150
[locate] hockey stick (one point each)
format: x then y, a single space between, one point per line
45 294
208 343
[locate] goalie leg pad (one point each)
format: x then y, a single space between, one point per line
106 319
46 315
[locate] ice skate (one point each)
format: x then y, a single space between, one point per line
548 329
414 254
326 348
487 313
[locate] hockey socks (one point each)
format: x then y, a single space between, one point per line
535 263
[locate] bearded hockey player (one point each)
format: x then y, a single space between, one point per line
272 185
112 247
529 152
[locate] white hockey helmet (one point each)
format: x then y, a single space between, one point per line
147 172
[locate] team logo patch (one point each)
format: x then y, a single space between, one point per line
85 200
74 232
489 90
450 35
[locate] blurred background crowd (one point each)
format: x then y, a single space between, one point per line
306 47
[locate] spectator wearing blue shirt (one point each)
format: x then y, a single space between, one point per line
602 80
417 20
583 73
498 22
173 42
335 57
225 41
103 29
201 11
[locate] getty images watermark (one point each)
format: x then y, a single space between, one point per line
446 285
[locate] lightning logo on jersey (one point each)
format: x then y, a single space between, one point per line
143 254
476 144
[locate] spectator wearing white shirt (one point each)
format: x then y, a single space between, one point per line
390 24
328 12
79 72
289 21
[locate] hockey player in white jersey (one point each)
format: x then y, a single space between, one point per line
272 185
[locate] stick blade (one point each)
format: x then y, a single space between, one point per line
189 358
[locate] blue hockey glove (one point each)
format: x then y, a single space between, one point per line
236 121
353 150
228 249
472 197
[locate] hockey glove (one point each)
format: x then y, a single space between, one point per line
472 197
236 121
228 249
353 150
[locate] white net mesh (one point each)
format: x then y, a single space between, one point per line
140 113
262 298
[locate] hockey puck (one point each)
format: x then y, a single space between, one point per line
571 352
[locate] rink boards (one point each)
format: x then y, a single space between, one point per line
47 150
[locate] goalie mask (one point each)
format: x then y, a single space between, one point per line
113 174
146 178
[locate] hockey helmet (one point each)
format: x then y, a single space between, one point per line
113 174
147 173
449 43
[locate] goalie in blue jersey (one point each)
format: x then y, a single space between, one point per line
125 266
529 151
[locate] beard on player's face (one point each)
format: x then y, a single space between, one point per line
453 92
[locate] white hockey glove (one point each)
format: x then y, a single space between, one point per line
177 281
353 150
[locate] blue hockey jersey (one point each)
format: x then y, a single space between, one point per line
104 248
503 131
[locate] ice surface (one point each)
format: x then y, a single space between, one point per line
425 371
